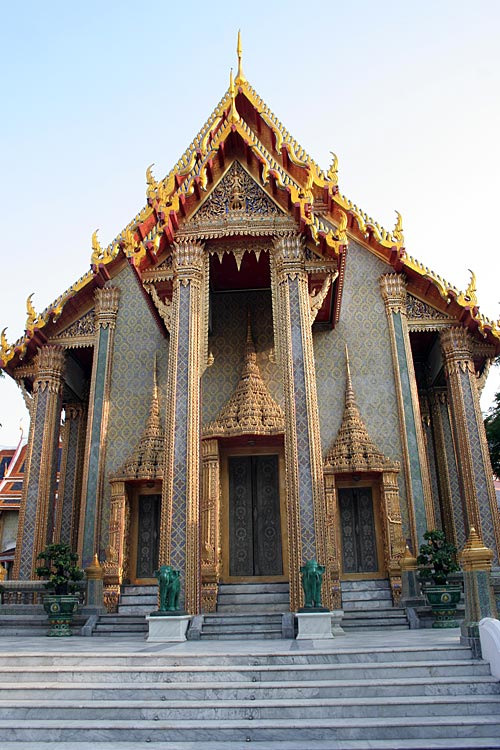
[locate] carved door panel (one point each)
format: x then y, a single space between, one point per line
254 516
148 535
358 534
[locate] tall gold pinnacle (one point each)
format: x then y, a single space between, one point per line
233 112
240 78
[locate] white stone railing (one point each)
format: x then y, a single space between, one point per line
489 635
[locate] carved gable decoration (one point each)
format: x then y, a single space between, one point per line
237 206
237 192
422 316
83 327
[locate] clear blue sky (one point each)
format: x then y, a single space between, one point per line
405 93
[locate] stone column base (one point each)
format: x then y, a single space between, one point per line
337 615
314 625
167 629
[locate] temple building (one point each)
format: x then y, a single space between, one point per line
252 375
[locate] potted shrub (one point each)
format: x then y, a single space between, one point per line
62 572
437 561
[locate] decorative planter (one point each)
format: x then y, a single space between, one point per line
60 610
443 601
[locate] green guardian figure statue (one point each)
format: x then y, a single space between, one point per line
170 586
312 579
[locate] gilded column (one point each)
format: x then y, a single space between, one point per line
474 465
36 517
116 563
304 465
416 471
210 511
180 509
106 310
450 494
70 483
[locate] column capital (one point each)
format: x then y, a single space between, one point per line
106 306
188 259
456 349
50 364
73 410
289 255
393 289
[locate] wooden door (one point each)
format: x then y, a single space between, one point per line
358 531
255 547
148 535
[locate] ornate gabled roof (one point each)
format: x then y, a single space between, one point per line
147 460
242 126
251 410
353 450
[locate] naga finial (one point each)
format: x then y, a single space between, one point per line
5 347
96 249
32 316
471 289
151 182
398 230
332 173
240 77
469 297
341 231
128 243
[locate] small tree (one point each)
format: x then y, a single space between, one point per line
436 558
492 427
60 568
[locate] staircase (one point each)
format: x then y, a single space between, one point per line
399 696
130 621
368 605
250 611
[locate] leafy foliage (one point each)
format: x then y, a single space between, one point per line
436 558
60 568
492 426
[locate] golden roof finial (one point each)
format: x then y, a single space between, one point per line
398 230
96 249
32 316
332 173
233 112
240 77
342 229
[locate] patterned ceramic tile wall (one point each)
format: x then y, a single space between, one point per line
363 326
137 338
227 344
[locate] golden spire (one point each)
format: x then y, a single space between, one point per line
353 449
146 461
251 410
240 78
233 112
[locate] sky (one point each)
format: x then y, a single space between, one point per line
405 93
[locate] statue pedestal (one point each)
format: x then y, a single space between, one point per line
167 628
314 625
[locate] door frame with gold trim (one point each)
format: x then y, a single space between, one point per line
259 449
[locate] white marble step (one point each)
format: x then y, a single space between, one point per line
458 743
250 730
144 691
280 654
156 673
315 708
